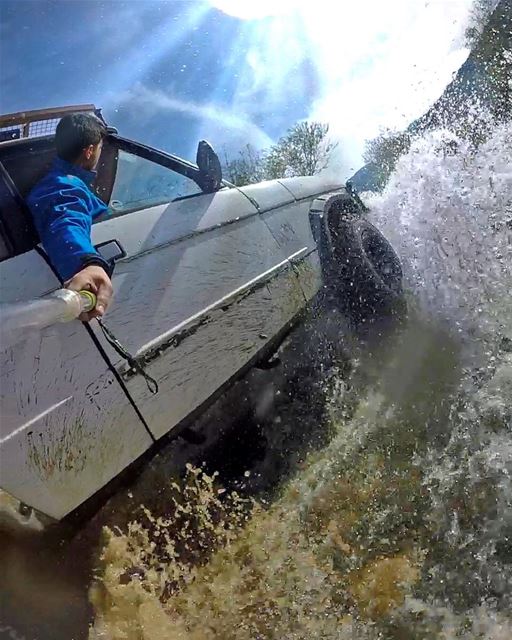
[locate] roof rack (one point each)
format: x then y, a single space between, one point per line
38 123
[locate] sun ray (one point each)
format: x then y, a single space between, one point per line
359 66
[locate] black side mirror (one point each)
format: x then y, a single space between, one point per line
210 170
352 192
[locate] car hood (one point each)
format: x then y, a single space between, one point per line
305 186
277 193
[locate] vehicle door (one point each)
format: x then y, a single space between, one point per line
202 288
66 426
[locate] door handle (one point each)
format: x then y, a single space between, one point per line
111 251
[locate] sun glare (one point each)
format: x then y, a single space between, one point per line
250 10
363 66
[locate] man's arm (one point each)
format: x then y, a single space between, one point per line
64 226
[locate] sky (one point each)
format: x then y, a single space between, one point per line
170 72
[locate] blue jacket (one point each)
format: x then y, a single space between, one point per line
63 208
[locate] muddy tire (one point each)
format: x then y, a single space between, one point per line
368 273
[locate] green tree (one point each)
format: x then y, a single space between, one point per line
245 168
304 150
387 147
479 16
384 151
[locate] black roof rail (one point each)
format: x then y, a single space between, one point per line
39 122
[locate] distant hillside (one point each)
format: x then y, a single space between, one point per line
484 80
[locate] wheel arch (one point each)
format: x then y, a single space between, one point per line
325 215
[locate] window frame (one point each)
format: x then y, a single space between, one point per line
167 160
5 242
143 202
16 226
158 157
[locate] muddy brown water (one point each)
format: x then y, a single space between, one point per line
253 438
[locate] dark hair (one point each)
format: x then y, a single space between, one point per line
77 131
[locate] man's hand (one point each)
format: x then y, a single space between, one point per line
93 278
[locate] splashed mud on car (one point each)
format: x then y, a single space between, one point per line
208 282
47 454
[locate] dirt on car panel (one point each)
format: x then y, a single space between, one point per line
48 453
178 338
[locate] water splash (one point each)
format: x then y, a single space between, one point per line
401 527
448 210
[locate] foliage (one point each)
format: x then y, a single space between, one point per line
304 150
245 168
384 151
479 16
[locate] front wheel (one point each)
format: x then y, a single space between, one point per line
367 272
